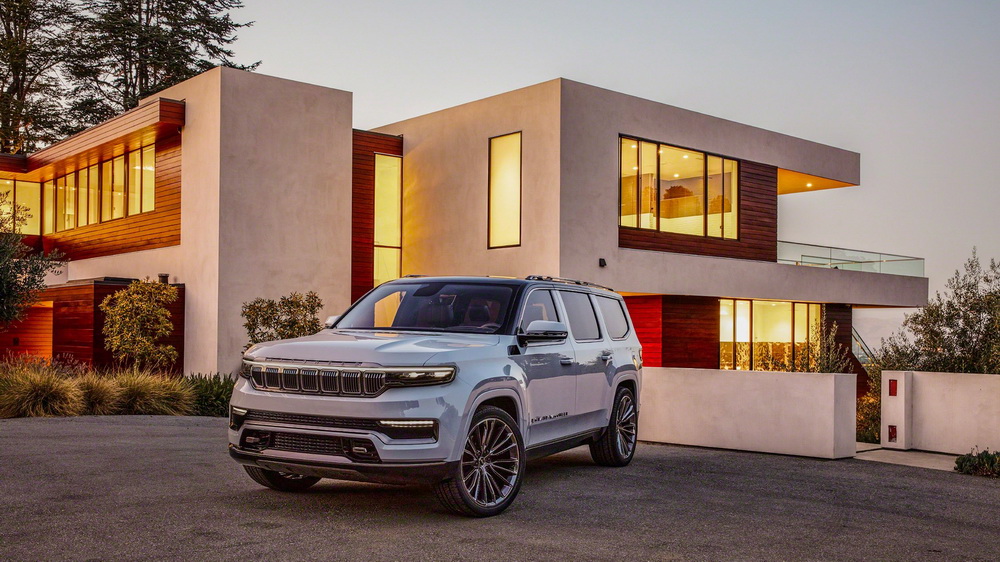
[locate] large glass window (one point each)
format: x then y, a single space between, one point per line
767 335
388 217
505 191
581 316
134 182
28 195
672 189
7 196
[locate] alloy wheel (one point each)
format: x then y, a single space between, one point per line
625 426
490 462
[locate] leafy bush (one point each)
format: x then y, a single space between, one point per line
101 395
981 463
869 416
291 316
958 332
211 394
34 388
136 318
22 271
145 393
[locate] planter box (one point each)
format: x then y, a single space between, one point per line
804 414
941 412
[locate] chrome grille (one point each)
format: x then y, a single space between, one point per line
326 381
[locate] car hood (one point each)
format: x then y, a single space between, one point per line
375 348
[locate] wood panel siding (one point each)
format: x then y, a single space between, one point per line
146 124
366 145
843 315
758 224
691 332
647 319
158 228
31 335
76 324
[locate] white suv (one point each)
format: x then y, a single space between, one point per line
454 381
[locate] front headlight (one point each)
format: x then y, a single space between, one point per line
419 376
245 369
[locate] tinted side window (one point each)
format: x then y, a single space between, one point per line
538 306
614 317
581 316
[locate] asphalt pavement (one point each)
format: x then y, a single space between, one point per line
142 487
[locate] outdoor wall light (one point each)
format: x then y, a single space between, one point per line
601 262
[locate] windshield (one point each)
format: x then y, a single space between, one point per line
432 306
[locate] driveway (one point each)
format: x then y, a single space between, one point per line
165 488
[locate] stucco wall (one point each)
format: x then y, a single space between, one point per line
804 414
592 120
943 412
445 185
285 198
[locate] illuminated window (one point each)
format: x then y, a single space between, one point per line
388 217
689 192
134 182
768 335
28 195
148 178
83 197
94 205
505 191
61 204
6 196
48 200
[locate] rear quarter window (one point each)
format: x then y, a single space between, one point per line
581 316
614 317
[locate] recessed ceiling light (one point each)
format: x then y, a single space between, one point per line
633 146
677 175
635 167
661 152
809 185
685 156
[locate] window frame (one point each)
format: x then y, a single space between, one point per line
792 323
524 307
520 190
738 199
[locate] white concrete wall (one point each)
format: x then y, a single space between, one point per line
592 120
285 198
942 412
804 414
445 185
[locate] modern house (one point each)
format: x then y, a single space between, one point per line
238 185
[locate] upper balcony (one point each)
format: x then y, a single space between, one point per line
829 257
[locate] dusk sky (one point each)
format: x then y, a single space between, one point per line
913 86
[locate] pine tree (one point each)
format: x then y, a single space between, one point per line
34 35
125 50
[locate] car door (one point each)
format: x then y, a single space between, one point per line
591 360
550 395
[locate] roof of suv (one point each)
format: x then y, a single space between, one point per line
529 280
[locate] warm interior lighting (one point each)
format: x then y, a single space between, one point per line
505 191
388 217
797 182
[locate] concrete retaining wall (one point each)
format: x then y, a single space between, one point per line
942 412
805 414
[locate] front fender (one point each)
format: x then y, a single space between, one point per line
499 387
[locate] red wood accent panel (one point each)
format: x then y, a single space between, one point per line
32 334
366 144
155 229
758 217
133 129
691 332
647 318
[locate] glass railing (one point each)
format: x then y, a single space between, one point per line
851 260
860 348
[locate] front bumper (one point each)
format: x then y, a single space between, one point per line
395 473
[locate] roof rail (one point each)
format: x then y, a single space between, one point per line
567 281
411 275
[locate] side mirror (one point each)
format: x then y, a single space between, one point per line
331 320
543 331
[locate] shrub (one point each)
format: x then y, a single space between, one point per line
136 318
101 395
145 393
211 394
22 270
869 426
981 463
36 389
291 316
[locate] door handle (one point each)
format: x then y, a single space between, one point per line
606 355
565 360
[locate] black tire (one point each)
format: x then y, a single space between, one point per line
281 481
485 482
616 446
